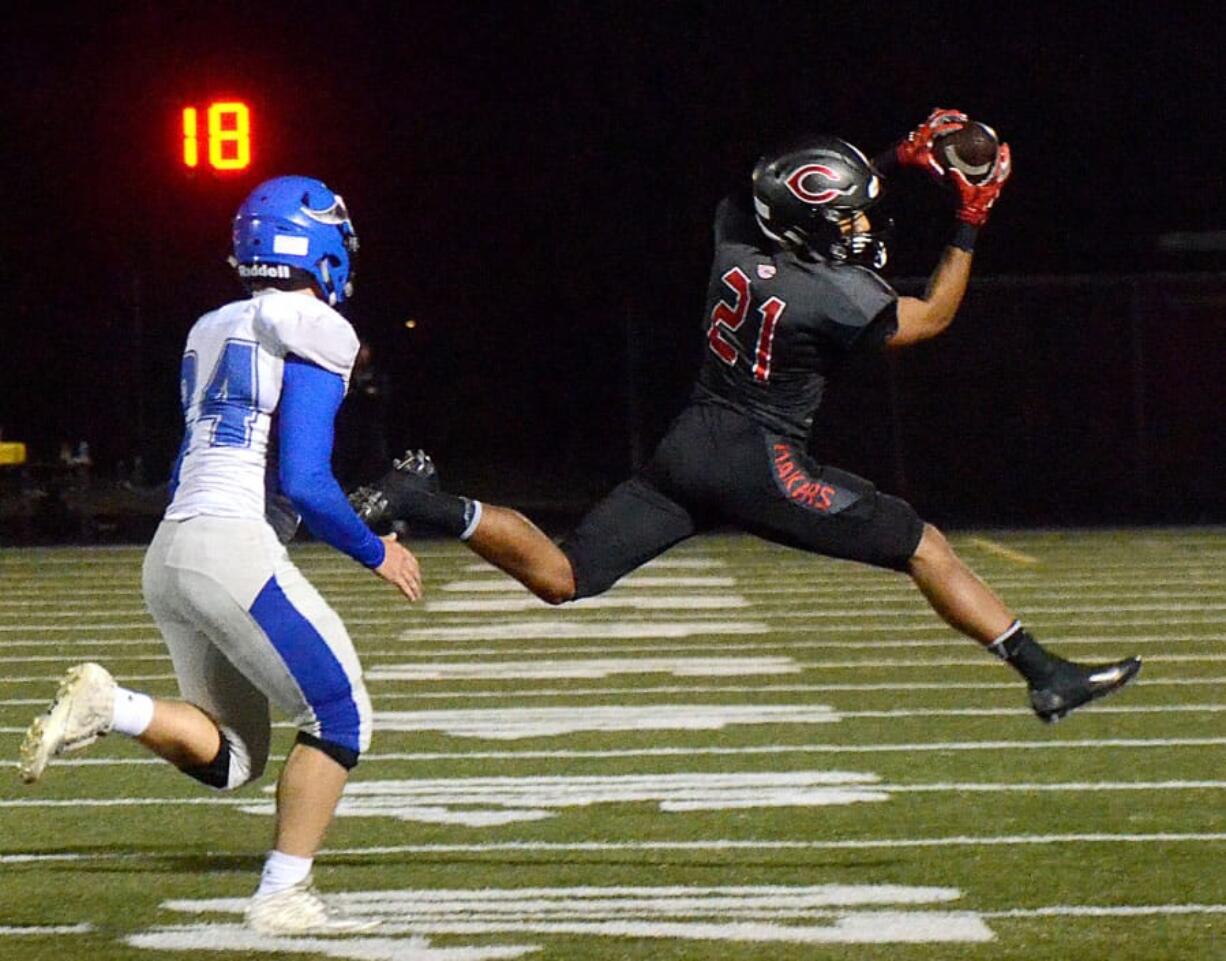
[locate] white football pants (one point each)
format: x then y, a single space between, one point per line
244 628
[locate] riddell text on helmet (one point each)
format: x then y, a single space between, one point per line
275 271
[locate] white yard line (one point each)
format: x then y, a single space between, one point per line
380 757
64 611
660 563
61 658
1105 911
19 601
1197 609
758 689
556 628
52 679
611 601
674 632
59 643
78 627
649 665
539 668
844 844
894 621
978 661
481 784
1212 708
506 585
492 723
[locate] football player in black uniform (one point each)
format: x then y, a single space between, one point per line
792 294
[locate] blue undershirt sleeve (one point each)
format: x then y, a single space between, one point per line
310 398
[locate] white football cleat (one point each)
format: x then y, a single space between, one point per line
80 714
300 910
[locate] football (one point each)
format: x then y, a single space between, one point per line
972 150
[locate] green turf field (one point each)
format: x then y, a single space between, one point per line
740 752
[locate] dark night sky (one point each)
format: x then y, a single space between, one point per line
533 182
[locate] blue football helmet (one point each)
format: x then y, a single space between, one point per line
295 227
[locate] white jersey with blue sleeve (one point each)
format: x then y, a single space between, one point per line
232 380
262 380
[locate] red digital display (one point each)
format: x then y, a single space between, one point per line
224 143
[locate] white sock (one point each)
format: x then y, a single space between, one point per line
997 647
133 712
476 510
282 871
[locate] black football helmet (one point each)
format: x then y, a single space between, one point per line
807 195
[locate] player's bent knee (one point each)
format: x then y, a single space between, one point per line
557 588
342 726
346 757
585 576
552 583
230 769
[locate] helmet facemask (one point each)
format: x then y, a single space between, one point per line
337 215
857 241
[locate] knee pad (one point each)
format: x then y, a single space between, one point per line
215 774
231 768
343 723
346 757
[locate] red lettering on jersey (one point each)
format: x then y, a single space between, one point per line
798 485
728 317
770 312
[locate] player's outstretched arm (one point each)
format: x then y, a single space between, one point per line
310 398
920 318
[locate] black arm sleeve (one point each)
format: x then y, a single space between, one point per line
865 314
886 162
734 221
880 329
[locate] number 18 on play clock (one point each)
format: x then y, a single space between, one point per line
217 136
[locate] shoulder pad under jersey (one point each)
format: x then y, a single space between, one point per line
292 323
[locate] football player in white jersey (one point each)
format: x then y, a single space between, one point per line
262 380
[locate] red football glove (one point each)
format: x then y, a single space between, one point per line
976 199
915 150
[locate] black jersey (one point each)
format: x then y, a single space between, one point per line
778 325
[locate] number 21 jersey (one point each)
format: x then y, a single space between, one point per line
778 325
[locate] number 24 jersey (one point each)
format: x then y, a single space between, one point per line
230 386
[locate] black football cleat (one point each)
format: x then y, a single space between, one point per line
385 502
1072 685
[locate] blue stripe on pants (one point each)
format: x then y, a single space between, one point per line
312 664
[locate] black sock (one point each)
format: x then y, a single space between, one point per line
1026 655
447 513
